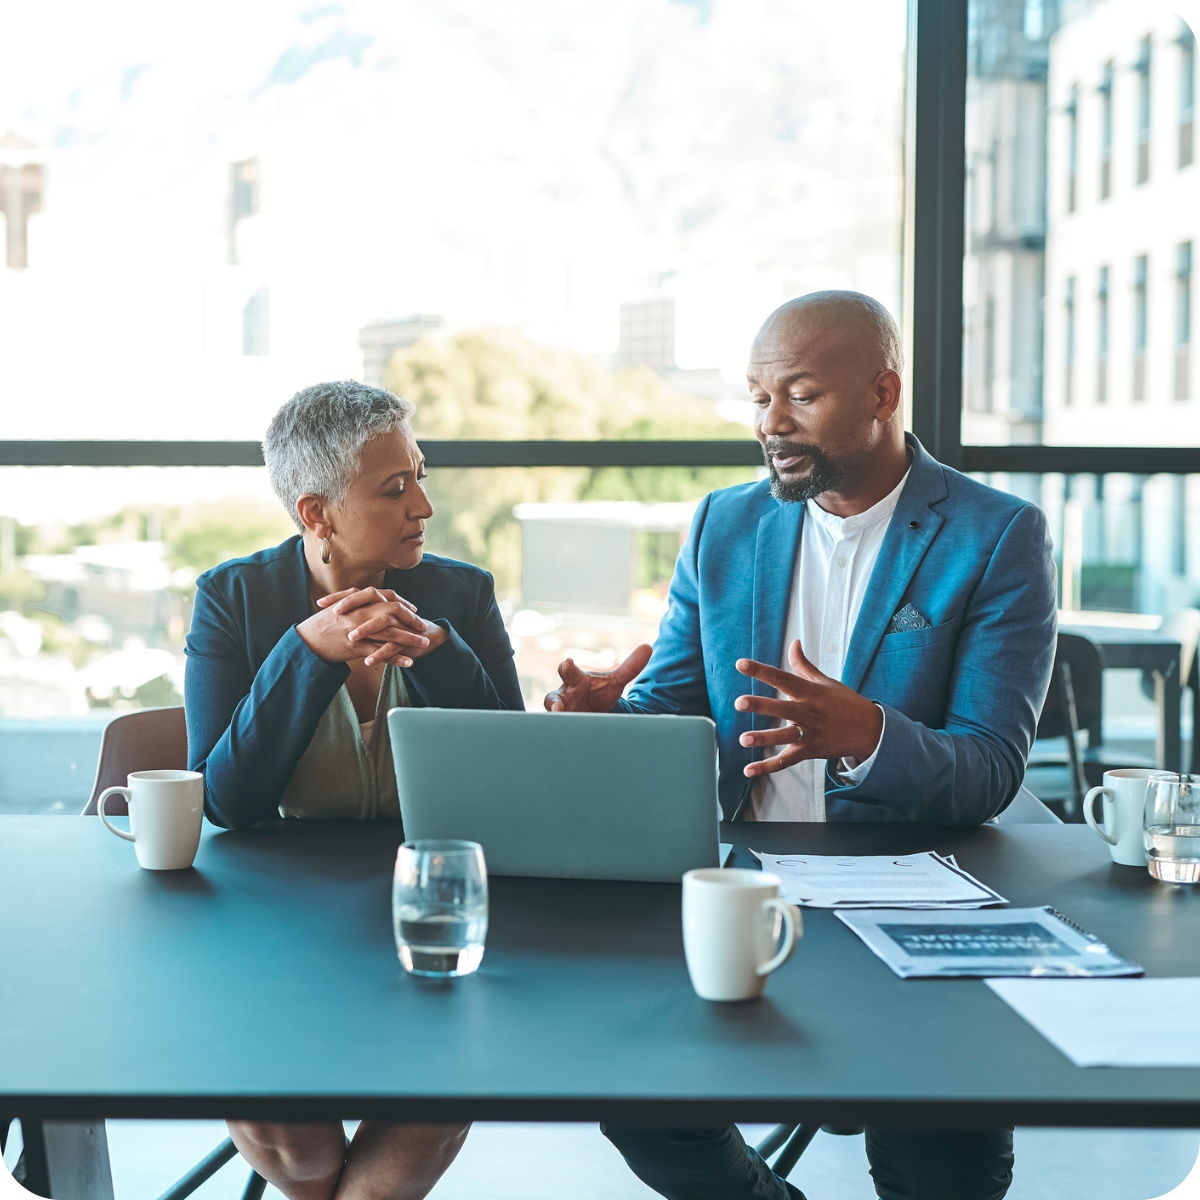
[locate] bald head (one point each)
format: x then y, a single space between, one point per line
824 375
849 326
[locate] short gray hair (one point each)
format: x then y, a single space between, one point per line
314 442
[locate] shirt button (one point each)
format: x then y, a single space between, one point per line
830 648
841 562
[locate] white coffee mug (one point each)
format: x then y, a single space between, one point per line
1124 795
166 809
731 924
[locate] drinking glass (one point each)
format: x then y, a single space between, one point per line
1172 826
440 907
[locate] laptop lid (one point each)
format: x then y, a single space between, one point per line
562 795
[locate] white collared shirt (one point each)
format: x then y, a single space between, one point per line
833 567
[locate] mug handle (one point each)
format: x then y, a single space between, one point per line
1089 804
793 930
124 791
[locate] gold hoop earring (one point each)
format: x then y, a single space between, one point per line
325 555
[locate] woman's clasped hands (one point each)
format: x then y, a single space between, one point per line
372 624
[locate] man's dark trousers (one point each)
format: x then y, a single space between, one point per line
715 1163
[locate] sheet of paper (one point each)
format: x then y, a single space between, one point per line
724 850
877 881
1112 1022
1028 942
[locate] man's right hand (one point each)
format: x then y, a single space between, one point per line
595 691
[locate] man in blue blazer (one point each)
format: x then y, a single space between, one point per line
872 634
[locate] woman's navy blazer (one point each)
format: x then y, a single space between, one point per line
254 692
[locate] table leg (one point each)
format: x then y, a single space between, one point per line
1167 694
67 1160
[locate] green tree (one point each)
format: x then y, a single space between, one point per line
201 535
497 384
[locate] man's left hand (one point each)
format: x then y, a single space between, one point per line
822 717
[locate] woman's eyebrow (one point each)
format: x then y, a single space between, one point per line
395 475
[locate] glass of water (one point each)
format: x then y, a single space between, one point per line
1172 826
440 907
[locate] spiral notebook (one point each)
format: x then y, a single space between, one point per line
1032 942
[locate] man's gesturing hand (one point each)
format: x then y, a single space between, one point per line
595 691
823 718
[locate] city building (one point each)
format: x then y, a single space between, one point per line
379 340
1123 224
598 555
20 196
647 334
1004 267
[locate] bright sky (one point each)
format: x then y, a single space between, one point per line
514 161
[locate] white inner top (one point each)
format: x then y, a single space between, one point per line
833 568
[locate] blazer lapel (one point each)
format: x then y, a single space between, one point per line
913 527
775 553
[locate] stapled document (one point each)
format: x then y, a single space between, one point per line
878 881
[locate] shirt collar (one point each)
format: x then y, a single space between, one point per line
845 526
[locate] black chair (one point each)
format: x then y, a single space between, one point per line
794 1140
1074 702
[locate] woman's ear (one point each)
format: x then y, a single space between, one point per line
313 514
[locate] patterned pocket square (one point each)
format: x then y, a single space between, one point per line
905 619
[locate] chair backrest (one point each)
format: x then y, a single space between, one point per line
1026 809
1083 660
151 739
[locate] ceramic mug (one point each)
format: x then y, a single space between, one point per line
1124 793
731 924
166 809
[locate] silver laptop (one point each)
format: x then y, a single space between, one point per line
564 795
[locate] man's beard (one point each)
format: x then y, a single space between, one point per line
826 474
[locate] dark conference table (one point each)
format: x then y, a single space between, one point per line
265 983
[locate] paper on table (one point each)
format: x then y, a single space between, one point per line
1030 942
724 850
877 881
1111 1022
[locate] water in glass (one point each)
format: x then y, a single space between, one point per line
1172 827
440 907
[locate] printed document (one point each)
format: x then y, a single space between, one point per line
877 881
1112 1022
1014 941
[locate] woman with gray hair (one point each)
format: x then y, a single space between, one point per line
295 656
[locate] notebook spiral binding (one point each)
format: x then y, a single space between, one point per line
1071 924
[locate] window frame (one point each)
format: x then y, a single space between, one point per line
933 245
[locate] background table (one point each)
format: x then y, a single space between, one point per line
1147 651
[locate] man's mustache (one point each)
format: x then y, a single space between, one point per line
777 447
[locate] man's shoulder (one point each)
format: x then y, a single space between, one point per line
744 503
976 501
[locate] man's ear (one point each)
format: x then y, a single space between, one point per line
314 514
887 395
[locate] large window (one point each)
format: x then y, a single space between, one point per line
1080 118
555 228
